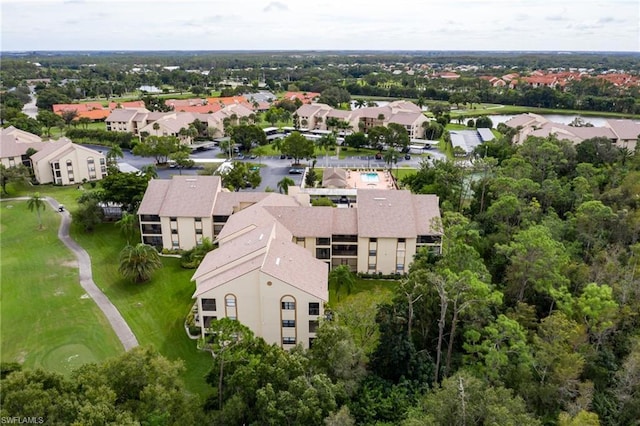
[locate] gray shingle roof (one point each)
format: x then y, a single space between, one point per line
184 196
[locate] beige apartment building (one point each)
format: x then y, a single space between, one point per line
266 282
65 163
381 233
274 251
404 113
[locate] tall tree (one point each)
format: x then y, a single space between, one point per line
36 203
284 184
466 400
247 136
48 119
139 262
17 173
128 225
298 147
159 147
341 277
537 262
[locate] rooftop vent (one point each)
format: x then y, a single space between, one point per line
278 261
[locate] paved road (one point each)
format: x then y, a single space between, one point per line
274 168
30 108
119 325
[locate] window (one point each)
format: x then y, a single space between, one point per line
173 219
230 301
288 305
288 323
323 241
199 231
373 240
372 252
314 308
288 340
311 339
208 304
400 267
313 326
174 231
207 321
300 239
323 253
372 266
198 219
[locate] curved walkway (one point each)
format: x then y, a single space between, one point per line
119 325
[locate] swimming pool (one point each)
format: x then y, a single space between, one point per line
370 177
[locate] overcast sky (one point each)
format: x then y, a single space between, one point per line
555 25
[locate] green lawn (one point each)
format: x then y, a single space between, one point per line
155 310
488 109
362 284
47 320
403 171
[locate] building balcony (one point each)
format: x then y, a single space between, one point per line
149 218
151 230
344 238
345 253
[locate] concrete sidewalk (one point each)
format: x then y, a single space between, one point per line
119 325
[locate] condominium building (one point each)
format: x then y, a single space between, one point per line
274 251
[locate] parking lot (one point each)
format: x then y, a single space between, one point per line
274 168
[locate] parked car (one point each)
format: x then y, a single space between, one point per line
379 156
296 171
407 157
253 156
282 156
240 157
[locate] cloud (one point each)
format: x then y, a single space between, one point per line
609 20
556 18
276 6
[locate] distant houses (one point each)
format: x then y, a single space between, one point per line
622 132
94 111
317 116
172 123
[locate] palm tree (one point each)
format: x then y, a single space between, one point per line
36 203
359 103
284 184
128 224
327 142
391 156
149 171
84 121
339 277
139 262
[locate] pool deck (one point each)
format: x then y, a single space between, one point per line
354 180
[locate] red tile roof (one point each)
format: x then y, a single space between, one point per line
305 97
